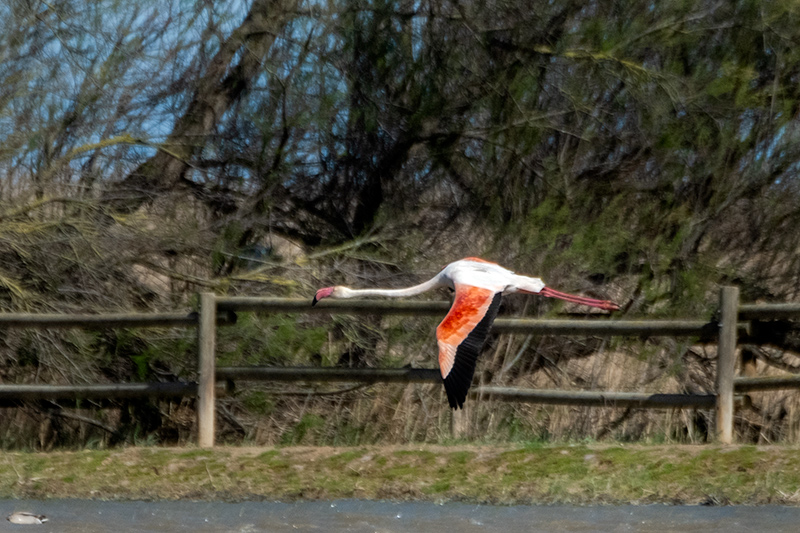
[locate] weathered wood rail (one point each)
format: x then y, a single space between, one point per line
731 324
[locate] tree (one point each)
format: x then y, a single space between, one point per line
218 87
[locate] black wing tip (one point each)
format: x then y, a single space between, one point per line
456 391
455 405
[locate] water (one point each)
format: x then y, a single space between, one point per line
66 516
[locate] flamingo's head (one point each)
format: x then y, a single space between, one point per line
322 293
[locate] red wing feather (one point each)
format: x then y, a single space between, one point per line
461 336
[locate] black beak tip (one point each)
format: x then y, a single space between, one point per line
314 301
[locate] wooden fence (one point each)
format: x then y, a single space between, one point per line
733 322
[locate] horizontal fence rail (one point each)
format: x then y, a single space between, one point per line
432 307
303 305
598 398
331 375
97 392
121 320
432 375
766 383
591 326
769 311
626 328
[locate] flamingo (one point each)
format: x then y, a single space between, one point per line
479 286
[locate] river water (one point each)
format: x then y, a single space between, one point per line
88 516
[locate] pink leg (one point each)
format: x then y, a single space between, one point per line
591 302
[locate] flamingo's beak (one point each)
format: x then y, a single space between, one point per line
322 293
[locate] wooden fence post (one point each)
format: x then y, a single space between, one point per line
459 422
206 348
726 362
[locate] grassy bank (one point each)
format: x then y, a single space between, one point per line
497 474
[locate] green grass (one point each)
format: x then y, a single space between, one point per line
580 473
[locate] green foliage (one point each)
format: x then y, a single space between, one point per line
258 402
304 428
269 340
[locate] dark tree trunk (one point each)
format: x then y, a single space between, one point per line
228 77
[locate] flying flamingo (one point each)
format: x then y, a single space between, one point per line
479 286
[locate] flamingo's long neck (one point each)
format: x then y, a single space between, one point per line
393 293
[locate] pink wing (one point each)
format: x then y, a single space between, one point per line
461 336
